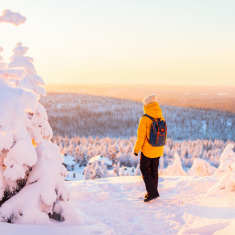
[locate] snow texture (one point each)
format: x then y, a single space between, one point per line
114 206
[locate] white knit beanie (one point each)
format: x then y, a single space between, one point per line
150 99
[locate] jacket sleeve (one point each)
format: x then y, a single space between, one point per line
141 135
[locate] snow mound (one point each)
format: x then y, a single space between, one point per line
201 167
227 229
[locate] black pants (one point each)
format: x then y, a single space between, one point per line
149 170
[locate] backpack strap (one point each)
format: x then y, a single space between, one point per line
146 115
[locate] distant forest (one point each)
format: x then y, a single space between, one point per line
86 115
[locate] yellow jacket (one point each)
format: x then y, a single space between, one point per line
142 144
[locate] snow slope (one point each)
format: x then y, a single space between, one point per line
115 206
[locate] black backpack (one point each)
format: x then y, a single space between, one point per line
158 132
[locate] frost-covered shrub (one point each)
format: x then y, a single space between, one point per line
120 150
200 157
31 171
137 170
116 167
97 167
127 171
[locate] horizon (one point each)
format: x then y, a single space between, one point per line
140 84
208 97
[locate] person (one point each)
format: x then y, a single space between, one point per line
150 155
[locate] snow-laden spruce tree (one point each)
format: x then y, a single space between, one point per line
97 167
175 169
31 172
226 171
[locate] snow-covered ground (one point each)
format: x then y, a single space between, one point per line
115 206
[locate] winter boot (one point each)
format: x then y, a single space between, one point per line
146 195
150 197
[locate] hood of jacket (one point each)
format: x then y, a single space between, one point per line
153 110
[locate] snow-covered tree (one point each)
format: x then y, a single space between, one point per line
226 171
31 172
97 167
176 168
201 168
29 80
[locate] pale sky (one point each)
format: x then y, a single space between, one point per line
190 42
